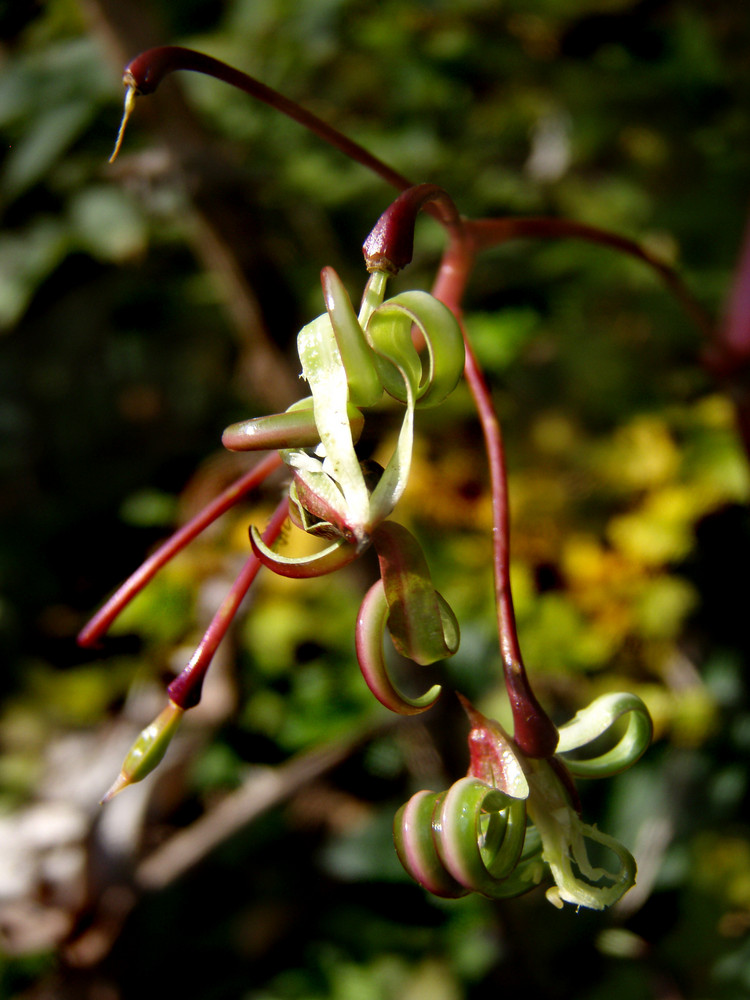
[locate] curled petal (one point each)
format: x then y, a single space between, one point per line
585 885
401 372
596 720
494 757
564 839
415 846
472 838
421 622
389 331
317 505
371 624
480 833
333 557
295 428
358 358
324 370
392 484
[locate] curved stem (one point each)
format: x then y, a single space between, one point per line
148 69
91 634
487 233
144 74
184 690
533 731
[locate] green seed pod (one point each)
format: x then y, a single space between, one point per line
148 750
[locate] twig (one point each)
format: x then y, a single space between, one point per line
264 789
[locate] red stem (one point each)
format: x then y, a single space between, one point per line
148 69
487 233
533 730
100 623
185 689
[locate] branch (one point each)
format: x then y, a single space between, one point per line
147 70
487 233
266 788
92 633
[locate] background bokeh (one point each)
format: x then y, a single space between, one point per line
147 304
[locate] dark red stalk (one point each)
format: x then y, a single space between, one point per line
100 623
533 730
487 233
148 69
185 689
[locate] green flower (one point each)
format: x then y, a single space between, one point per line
348 361
514 818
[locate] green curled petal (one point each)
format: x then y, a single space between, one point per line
529 871
395 476
389 330
415 846
596 720
420 621
295 428
365 387
333 557
371 624
564 840
479 834
324 370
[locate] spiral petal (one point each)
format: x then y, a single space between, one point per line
596 720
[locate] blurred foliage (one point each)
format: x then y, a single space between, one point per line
121 364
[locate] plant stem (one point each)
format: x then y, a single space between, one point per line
185 689
487 233
100 623
148 69
533 730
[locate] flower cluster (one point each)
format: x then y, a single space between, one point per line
514 817
348 361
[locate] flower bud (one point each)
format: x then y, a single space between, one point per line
148 750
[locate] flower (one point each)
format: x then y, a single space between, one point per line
514 818
348 361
